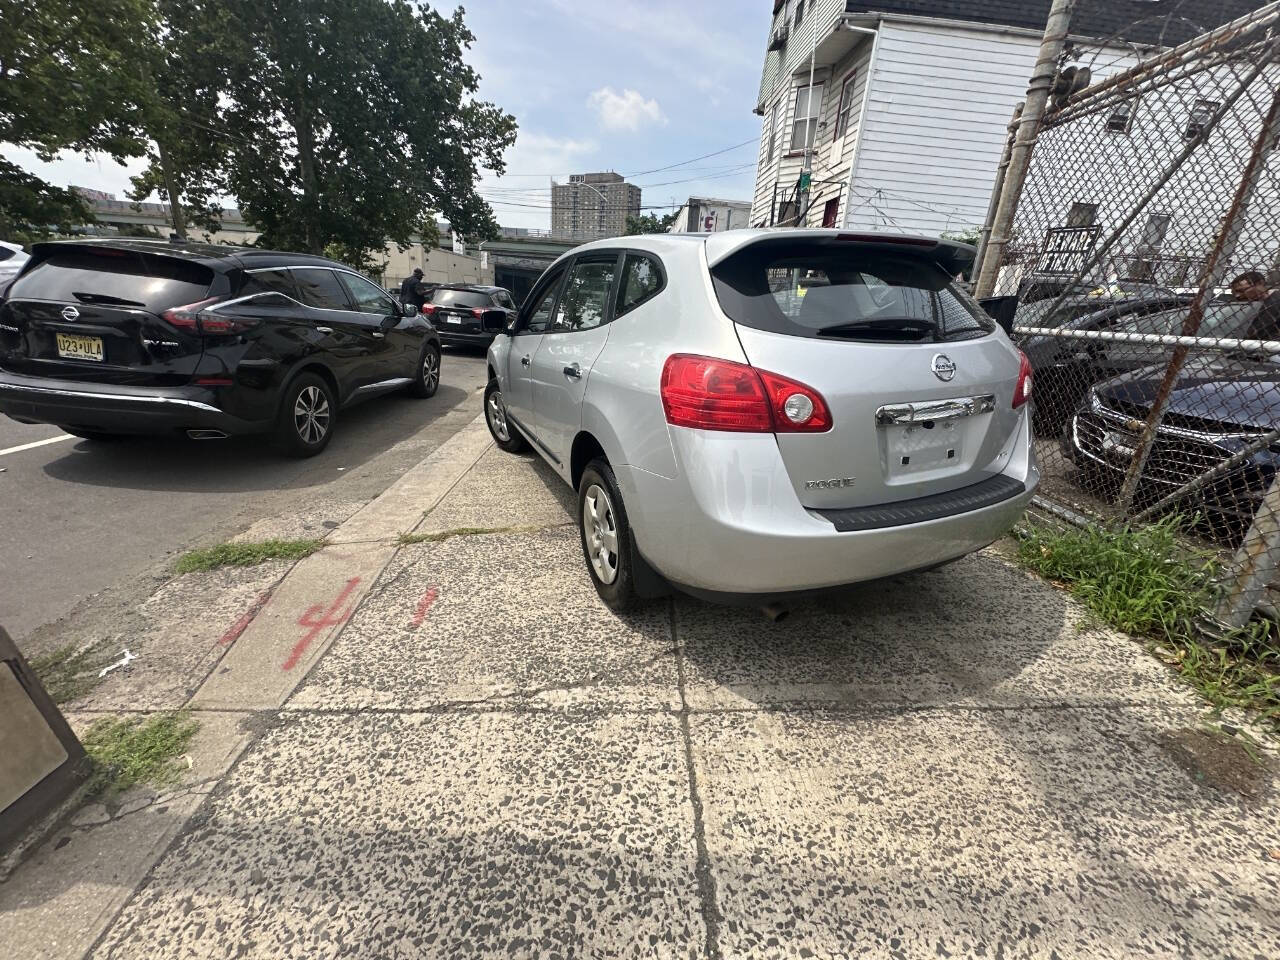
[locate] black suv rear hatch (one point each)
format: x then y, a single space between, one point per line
95 313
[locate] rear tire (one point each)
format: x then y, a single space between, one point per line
426 381
308 411
606 537
504 433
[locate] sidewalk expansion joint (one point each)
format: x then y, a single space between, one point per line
711 915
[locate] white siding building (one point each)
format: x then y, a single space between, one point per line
912 99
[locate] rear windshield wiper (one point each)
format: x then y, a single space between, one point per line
906 328
105 298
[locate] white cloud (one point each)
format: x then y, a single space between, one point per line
628 110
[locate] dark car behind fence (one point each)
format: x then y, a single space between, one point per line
1145 249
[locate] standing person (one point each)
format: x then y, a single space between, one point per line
1252 285
410 289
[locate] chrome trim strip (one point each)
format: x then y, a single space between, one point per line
85 395
1115 416
898 413
383 385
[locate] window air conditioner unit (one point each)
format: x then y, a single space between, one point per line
779 38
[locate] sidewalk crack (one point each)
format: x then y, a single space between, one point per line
711 915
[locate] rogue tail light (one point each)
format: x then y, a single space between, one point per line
199 318
709 394
1022 392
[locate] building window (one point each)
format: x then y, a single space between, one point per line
1082 214
799 12
830 211
1154 232
846 106
805 126
1201 113
1120 120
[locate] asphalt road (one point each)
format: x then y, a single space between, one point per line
80 517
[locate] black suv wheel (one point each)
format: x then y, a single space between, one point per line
307 414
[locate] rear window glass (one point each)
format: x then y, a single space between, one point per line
846 294
461 298
115 277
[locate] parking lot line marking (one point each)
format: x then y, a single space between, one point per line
316 619
37 443
424 605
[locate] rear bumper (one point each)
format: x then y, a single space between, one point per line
732 523
116 409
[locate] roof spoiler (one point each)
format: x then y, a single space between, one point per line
951 255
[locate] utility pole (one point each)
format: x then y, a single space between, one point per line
1055 37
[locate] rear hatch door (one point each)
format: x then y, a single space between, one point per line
95 313
456 312
918 380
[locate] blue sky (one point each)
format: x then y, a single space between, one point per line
625 85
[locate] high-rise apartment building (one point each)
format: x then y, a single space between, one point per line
593 205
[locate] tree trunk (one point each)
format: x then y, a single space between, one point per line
307 171
171 190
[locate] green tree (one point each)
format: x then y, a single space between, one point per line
651 223
67 82
354 123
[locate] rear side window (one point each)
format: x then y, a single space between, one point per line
848 293
460 298
115 277
269 281
320 288
641 279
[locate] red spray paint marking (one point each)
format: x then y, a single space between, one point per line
424 605
239 627
316 619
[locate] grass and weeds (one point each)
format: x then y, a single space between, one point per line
129 750
68 672
1148 582
408 538
246 554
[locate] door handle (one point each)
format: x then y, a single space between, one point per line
524 361
573 371
378 334
324 329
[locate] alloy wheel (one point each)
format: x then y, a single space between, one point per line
498 416
600 533
430 368
311 414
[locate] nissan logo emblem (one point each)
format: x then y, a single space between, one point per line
70 313
943 368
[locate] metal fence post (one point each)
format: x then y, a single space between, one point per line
1055 36
1215 271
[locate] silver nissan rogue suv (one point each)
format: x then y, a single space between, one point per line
753 413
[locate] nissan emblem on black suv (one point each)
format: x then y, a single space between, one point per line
943 368
70 313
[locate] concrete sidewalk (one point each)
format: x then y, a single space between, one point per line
452 749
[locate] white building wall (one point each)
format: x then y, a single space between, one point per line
937 118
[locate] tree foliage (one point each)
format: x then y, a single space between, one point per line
68 81
651 223
354 123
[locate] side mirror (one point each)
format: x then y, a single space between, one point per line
409 309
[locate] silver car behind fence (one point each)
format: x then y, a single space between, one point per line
758 413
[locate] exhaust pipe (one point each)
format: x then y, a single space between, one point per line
775 612
206 435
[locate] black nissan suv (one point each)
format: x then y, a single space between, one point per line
114 337
467 313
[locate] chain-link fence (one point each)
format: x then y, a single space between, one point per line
1145 255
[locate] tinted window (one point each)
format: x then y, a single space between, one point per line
460 298
6 253
367 297
1220 320
586 295
112 276
540 315
504 300
269 281
320 288
851 294
641 279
